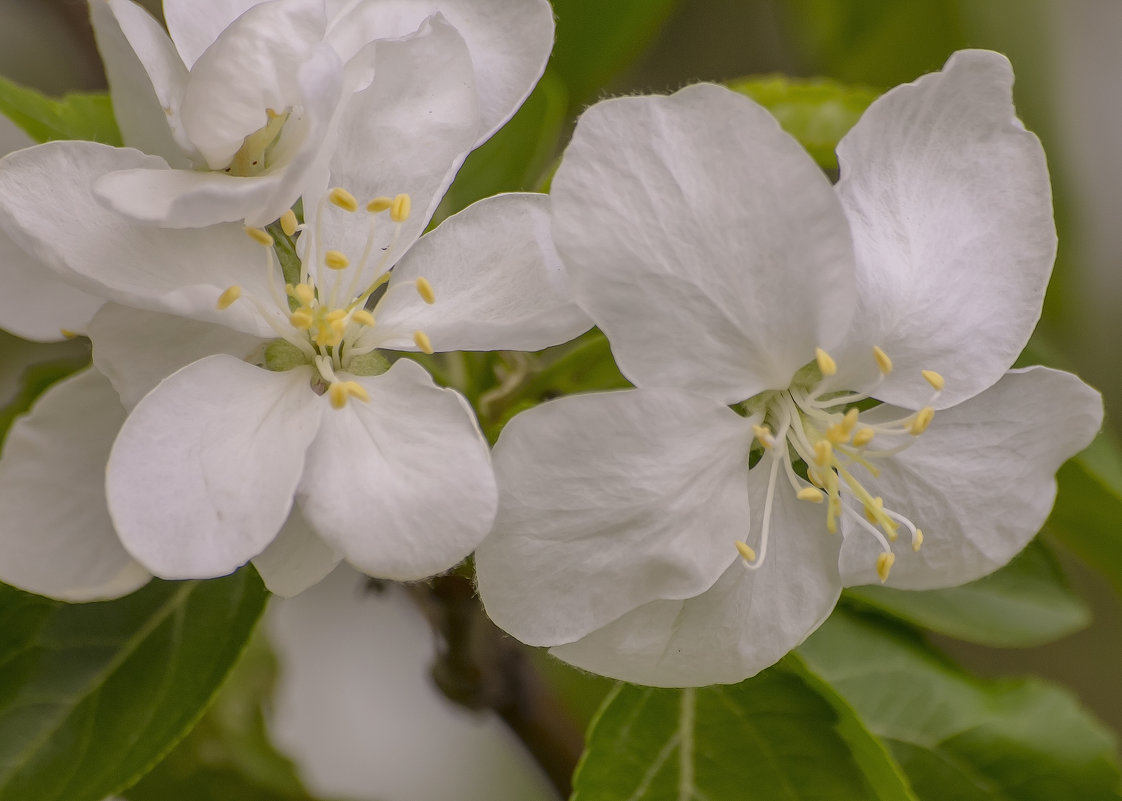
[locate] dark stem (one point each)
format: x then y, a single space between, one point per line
479 667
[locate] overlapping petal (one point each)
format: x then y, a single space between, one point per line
196 24
35 303
202 475
296 559
951 210
57 538
498 281
703 240
609 502
980 481
401 484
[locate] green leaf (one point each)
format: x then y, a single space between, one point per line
774 736
1088 510
74 116
92 695
1026 603
958 737
817 112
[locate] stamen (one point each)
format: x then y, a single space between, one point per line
763 436
826 364
363 317
399 210
921 421
810 494
746 552
66 332
934 379
227 298
823 453
424 289
289 223
301 319
336 260
420 338
339 391
260 236
379 204
884 364
885 560
917 540
343 199
863 437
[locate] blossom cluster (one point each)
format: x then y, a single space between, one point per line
823 393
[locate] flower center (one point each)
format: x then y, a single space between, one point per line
324 315
823 446
255 155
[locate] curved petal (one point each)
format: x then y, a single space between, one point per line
609 502
35 303
498 282
296 559
401 484
980 481
146 76
951 210
703 240
137 349
251 67
202 475
63 224
407 132
12 137
509 42
195 24
746 622
57 538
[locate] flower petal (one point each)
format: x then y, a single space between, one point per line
195 24
980 481
57 538
746 622
62 224
498 282
251 67
146 76
137 349
609 502
202 475
703 240
951 210
401 484
12 137
509 41
296 559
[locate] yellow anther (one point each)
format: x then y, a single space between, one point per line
884 364
66 332
363 317
304 293
335 315
763 435
336 260
302 319
917 540
399 210
921 421
823 453
424 289
837 434
863 437
885 561
745 551
229 296
421 339
934 379
874 511
826 364
850 420
379 204
289 223
260 236
814 478
343 199
810 494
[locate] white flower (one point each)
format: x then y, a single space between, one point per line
248 101
659 536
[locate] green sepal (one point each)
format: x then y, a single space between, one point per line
281 355
368 364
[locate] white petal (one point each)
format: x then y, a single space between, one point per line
63 224
608 502
146 76
402 484
498 281
980 481
57 538
951 210
136 349
296 559
251 67
12 137
509 41
745 623
407 132
195 24
35 303
703 240
202 475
